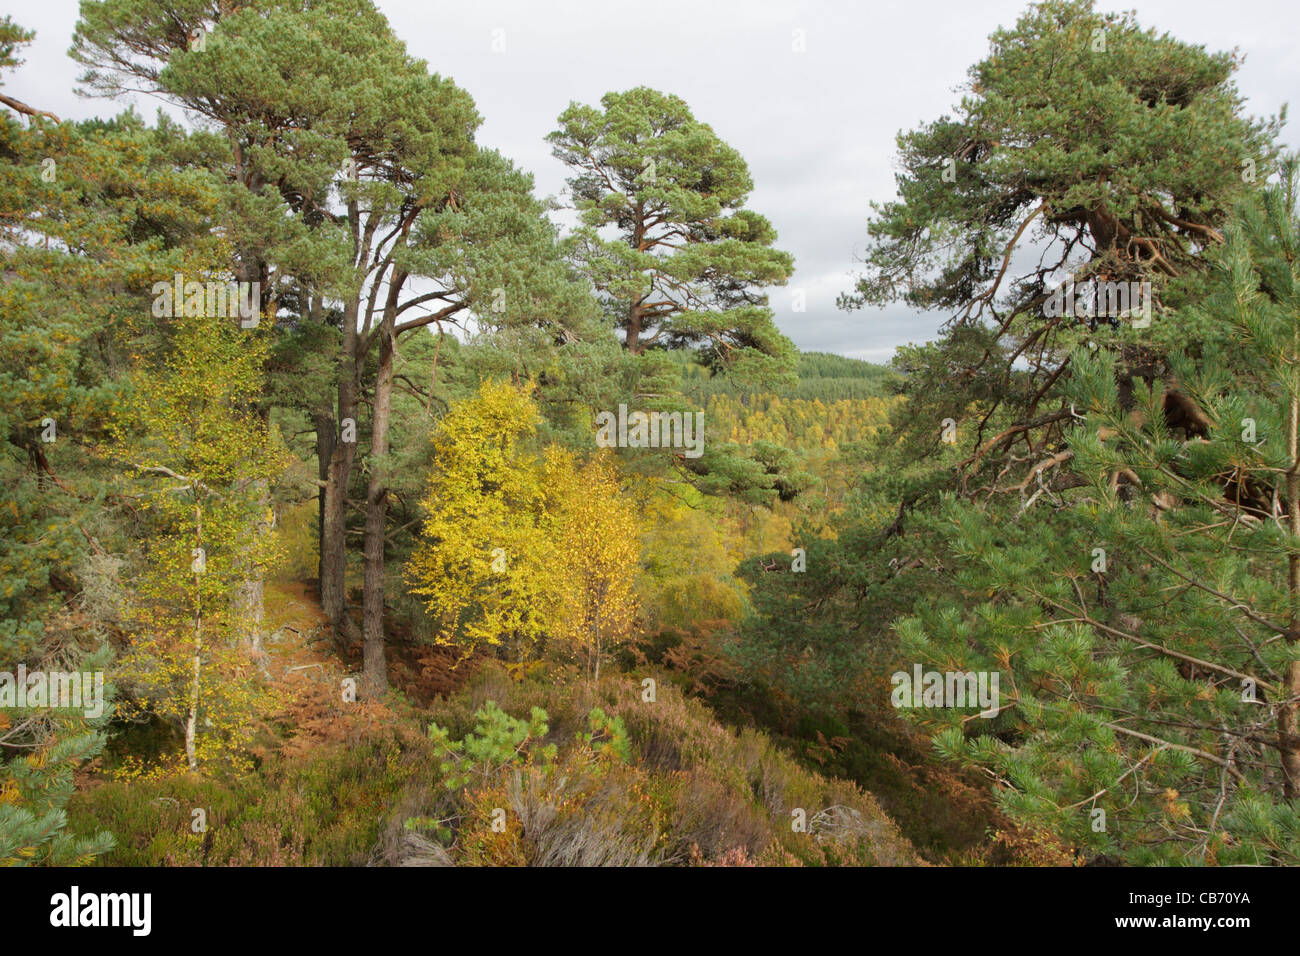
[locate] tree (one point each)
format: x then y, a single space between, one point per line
519 547
1146 621
200 458
483 565
1057 164
678 263
687 260
597 552
89 209
358 193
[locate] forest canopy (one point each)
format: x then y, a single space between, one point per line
364 507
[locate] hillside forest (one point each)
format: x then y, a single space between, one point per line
363 507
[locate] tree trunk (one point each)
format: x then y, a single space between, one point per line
372 604
192 717
249 605
1288 740
634 316
326 426
326 439
250 612
634 330
333 550
248 599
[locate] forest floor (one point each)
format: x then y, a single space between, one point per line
948 816
344 782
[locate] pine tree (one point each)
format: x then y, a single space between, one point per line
688 260
1055 164
91 210
1144 623
358 193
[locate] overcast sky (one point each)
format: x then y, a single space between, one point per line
816 127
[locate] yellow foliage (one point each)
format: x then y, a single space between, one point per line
599 554
481 565
202 458
516 546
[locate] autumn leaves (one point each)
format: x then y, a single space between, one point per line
522 546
